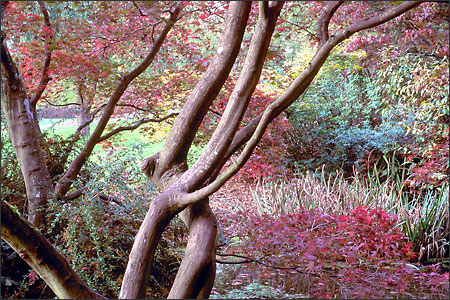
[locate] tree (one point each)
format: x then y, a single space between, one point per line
184 190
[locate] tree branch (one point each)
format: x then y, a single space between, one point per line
89 121
255 130
48 55
212 157
312 35
324 21
250 259
72 196
139 9
134 126
65 182
186 125
245 133
66 104
39 253
215 112
133 106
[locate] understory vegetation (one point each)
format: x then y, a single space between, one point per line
338 233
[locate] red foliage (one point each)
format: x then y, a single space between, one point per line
364 252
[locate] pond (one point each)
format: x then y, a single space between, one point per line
254 281
244 281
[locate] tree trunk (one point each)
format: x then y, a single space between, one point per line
160 213
83 114
24 133
195 277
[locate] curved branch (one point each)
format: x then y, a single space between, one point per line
212 157
134 126
312 35
378 19
324 21
63 185
45 79
181 136
39 253
245 133
139 9
254 131
66 104
72 196
250 259
133 106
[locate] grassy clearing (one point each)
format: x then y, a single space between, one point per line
126 140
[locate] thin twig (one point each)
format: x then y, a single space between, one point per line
134 126
250 259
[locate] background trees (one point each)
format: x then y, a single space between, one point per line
98 51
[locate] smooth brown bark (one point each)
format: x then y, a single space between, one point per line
195 277
83 113
174 153
39 253
213 158
160 213
24 133
170 163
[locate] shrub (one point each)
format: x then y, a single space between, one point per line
340 130
96 232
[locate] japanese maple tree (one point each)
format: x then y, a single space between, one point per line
108 44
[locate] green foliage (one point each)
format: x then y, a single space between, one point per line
425 220
96 232
337 125
415 83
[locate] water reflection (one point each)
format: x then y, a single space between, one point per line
256 281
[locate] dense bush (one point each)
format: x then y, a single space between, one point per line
424 220
336 125
96 232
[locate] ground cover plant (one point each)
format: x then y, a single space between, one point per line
189 95
363 255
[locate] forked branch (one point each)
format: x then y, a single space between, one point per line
64 184
253 132
45 78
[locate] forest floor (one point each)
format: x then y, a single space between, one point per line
234 194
